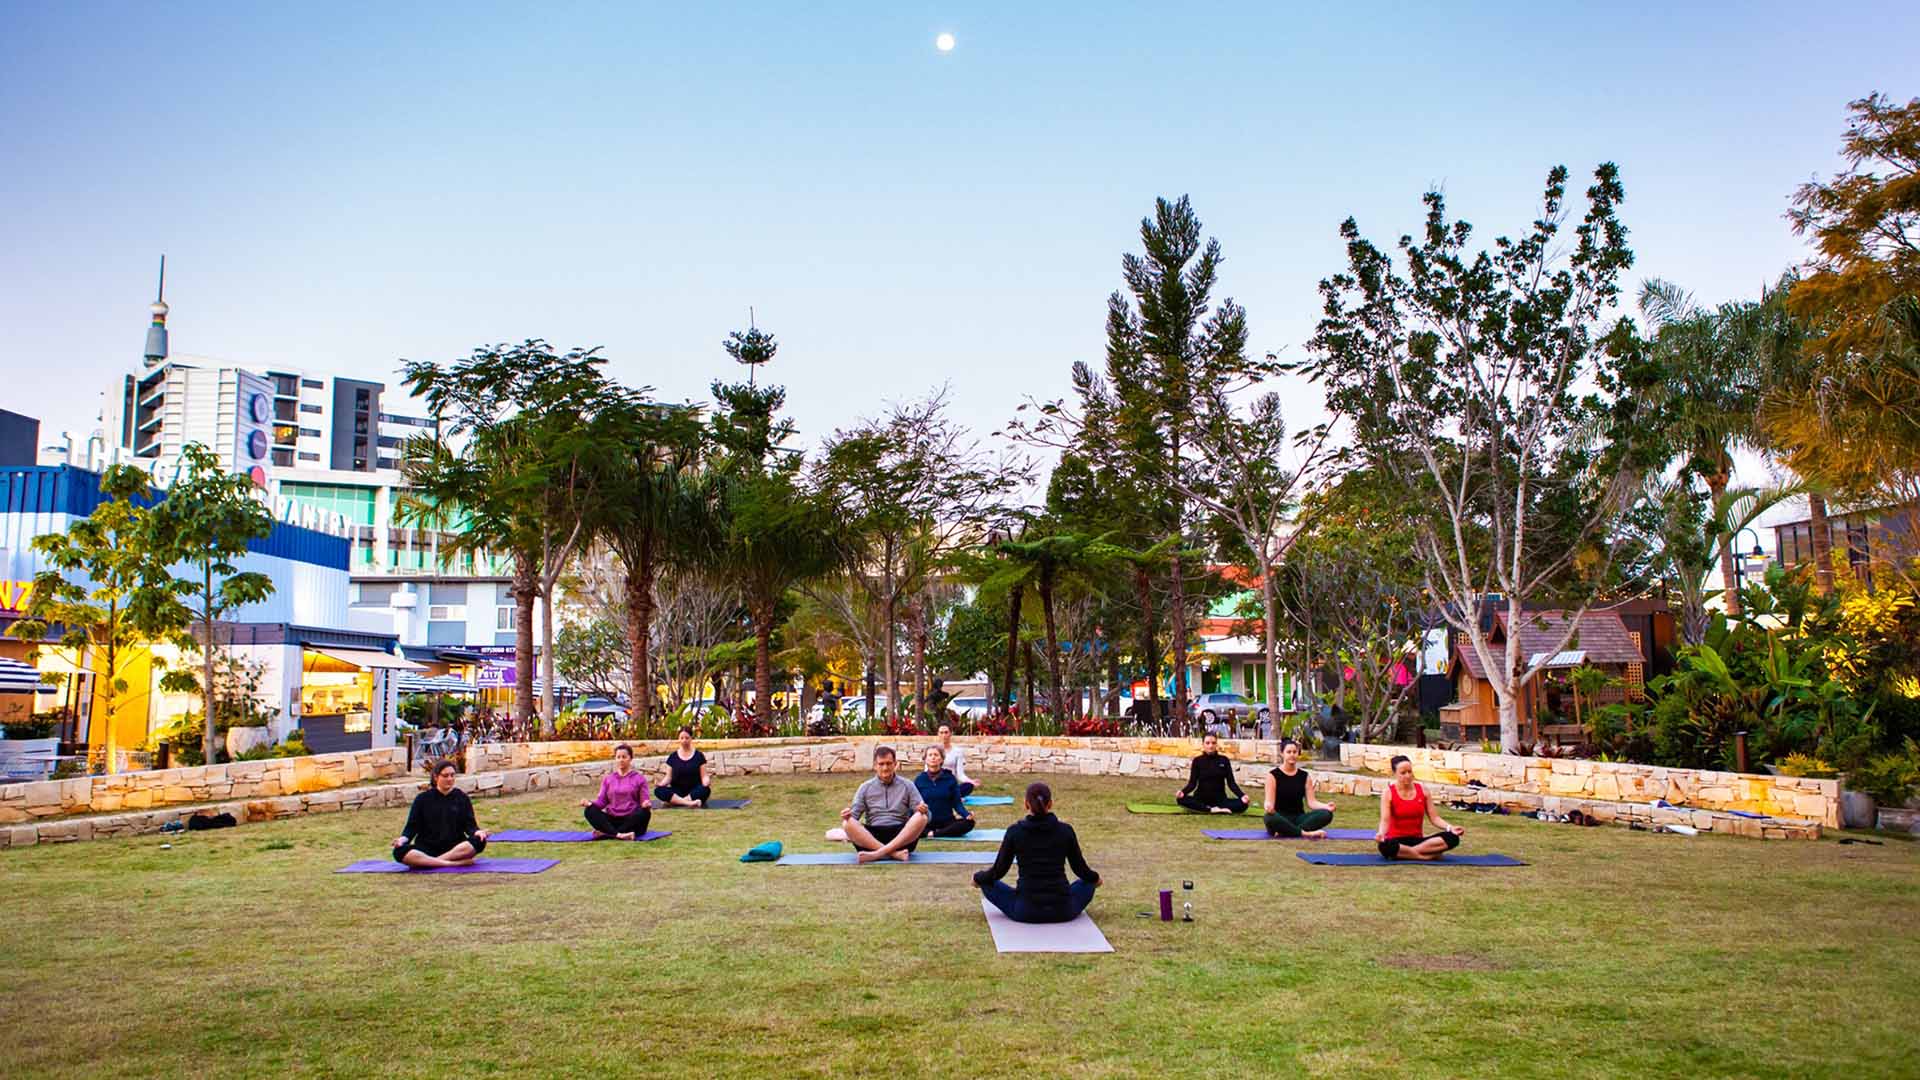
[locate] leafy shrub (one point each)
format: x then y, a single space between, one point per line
996 723
901 725
1889 778
1804 765
42 726
1093 727
295 746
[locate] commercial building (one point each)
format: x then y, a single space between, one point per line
314 670
328 449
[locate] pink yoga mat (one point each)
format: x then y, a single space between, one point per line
477 866
1262 834
560 836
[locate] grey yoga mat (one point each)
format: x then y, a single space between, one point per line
846 858
985 836
1078 935
1337 858
560 836
477 866
1262 834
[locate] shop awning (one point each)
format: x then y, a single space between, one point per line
435 684
367 658
17 677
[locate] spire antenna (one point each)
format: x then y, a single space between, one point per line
157 332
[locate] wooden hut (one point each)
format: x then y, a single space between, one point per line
1601 640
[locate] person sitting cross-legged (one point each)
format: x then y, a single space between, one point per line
622 809
947 813
1208 781
1292 808
689 779
1044 846
956 759
440 828
887 814
1404 811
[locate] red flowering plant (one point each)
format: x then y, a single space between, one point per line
902 725
996 723
1093 726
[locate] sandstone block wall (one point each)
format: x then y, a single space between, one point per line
1614 782
197 784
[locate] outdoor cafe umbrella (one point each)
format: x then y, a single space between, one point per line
17 677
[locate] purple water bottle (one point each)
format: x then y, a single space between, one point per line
1166 905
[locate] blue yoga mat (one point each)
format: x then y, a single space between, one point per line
989 800
561 836
477 866
1337 858
846 858
984 836
712 804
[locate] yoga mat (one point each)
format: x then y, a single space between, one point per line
559 836
1170 808
1262 834
1080 935
989 800
477 866
985 836
712 804
846 858
1332 858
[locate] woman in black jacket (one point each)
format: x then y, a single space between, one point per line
1044 846
1208 781
440 829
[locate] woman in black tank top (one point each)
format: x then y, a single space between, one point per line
1291 807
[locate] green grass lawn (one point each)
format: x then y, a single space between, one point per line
1615 953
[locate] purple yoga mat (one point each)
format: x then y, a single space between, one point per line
1261 834
560 836
477 866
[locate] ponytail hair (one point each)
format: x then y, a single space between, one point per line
1395 762
1284 743
1039 797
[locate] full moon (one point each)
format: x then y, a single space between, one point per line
944 42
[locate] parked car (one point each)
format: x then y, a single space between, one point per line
854 706
597 706
971 708
1221 713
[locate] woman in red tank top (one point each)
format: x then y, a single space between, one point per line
1404 812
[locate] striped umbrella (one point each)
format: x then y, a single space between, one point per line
22 678
434 684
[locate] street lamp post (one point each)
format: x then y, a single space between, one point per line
1739 560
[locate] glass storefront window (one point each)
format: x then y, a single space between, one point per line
333 693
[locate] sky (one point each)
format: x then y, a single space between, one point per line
340 187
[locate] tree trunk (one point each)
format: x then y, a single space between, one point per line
1717 486
1027 652
546 665
524 591
640 635
1822 542
1178 601
1270 595
922 684
209 698
891 639
1055 688
1113 682
1149 652
1506 691
1013 647
763 663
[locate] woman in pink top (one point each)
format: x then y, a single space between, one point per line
623 807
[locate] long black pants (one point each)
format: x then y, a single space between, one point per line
1193 802
615 824
956 827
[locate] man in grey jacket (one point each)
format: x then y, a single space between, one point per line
887 814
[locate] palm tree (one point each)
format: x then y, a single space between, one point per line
776 534
1047 562
657 511
1711 387
1691 537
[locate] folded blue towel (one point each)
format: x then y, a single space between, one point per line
767 852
